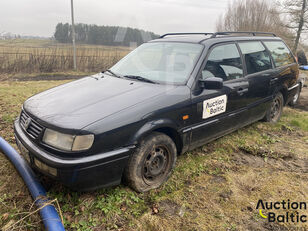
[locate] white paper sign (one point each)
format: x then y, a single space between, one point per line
214 106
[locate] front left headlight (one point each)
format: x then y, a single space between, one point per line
67 142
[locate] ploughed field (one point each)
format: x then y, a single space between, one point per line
215 187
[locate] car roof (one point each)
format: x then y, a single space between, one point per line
208 40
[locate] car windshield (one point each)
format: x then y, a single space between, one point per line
162 62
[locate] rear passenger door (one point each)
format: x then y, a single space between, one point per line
286 69
259 72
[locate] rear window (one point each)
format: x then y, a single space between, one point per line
281 54
257 59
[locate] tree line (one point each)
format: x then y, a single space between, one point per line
102 35
288 19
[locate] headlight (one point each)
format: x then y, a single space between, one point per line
82 142
67 142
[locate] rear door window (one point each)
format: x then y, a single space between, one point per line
224 62
280 52
256 57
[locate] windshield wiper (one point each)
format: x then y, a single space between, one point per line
111 72
140 78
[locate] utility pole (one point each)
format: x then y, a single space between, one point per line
73 35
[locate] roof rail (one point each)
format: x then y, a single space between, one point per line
253 33
185 34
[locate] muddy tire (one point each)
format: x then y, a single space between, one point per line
295 99
152 163
274 112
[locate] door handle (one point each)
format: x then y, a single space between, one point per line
241 91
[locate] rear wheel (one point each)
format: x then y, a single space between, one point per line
274 112
151 164
295 99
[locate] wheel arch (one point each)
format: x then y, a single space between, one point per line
174 135
164 126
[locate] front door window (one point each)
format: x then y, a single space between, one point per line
224 62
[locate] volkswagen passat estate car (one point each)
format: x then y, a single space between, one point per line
166 97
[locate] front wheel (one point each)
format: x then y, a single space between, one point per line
151 164
274 112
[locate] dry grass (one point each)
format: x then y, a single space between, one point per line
37 56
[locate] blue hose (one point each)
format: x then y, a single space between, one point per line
305 68
48 213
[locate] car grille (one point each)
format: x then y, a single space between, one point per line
30 126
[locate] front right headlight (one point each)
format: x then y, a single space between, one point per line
68 142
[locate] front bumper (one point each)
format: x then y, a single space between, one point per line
85 173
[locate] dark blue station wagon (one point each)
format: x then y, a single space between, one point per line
166 97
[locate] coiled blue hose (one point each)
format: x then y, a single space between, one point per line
48 213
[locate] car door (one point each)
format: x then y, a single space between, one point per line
286 69
259 73
216 112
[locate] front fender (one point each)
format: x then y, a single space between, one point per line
150 126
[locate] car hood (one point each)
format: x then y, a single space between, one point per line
79 103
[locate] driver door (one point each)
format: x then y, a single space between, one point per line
216 112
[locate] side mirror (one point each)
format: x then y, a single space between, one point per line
305 68
211 83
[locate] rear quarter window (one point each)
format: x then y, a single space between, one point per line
280 52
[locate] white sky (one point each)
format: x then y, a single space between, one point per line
39 17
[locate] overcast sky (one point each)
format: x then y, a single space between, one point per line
39 17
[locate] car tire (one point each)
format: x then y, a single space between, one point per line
152 163
295 99
275 110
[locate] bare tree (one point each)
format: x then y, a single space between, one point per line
252 15
297 18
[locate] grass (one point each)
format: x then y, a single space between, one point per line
300 122
215 187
